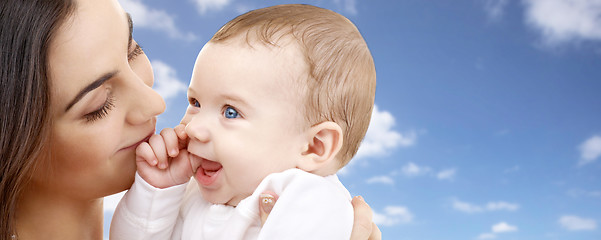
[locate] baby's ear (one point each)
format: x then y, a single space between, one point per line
323 142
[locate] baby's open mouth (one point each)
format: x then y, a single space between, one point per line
207 172
210 167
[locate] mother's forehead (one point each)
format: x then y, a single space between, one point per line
92 20
88 44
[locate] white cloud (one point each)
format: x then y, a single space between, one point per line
159 20
503 132
466 207
412 170
583 193
512 169
348 6
204 5
447 174
496 206
489 207
380 138
487 236
166 82
503 227
495 8
393 215
575 223
561 21
243 8
590 150
381 179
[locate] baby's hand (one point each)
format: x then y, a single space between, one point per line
163 161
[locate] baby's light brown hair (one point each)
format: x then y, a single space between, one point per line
341 81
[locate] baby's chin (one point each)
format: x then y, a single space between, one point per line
212 196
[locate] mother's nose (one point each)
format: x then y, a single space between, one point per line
145 103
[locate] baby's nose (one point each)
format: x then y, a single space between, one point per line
197 130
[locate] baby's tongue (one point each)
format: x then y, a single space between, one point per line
210 167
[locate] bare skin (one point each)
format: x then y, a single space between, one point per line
94 133
95 129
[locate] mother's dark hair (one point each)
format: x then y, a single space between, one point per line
26 29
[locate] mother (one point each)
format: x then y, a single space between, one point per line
75 101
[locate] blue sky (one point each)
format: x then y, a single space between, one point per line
487 121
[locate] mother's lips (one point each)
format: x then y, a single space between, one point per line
135 145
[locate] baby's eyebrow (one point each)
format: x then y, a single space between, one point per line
237 100
233 98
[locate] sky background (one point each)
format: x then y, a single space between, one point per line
488 112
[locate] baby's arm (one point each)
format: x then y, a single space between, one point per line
163 161
150 209
147 212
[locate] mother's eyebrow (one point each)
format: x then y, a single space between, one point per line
106 76
91 87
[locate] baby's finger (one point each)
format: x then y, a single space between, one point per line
158 147
180 131
144 154
171 141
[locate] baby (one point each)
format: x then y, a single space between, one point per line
280 99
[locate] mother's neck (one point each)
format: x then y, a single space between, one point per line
44 214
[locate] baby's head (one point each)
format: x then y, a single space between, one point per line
289 86
340 82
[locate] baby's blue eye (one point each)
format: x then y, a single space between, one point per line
230 112
194 102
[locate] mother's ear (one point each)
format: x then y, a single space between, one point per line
323 142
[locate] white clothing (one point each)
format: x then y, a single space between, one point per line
309 207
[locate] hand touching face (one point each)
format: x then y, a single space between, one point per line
102 104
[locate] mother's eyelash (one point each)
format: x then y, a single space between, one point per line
102 111
135 52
